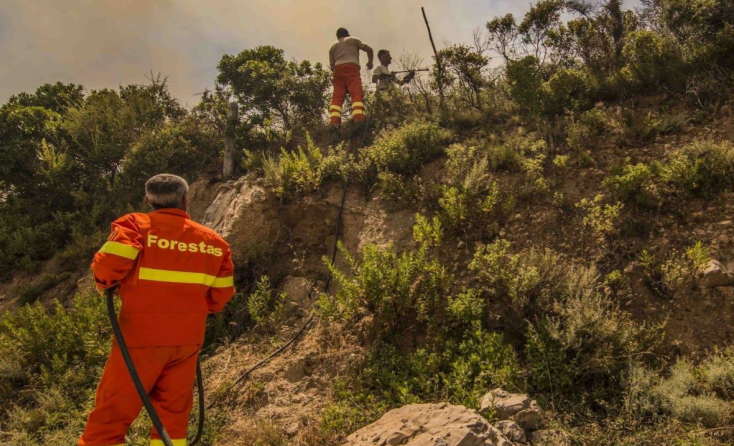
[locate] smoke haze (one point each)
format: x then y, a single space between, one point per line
106 43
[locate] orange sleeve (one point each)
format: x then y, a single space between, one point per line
116 258
222 290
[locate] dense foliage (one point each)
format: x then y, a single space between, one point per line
573 76
71 162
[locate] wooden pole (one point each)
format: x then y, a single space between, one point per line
438 60
229 136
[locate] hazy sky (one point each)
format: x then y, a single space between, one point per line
105 43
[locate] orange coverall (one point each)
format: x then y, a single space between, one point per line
346 79
172 272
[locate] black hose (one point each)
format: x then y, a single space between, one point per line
109 293
202 406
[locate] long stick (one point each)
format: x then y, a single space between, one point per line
438 59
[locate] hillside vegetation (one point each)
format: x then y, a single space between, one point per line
539 224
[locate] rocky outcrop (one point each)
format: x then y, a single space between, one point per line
514 407
242 212
429 425
444 424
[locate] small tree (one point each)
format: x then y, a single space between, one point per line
274 93
463 72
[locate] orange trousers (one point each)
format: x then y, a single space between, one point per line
167 373
346 79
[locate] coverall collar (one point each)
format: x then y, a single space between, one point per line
172 211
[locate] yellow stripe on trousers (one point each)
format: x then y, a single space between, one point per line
168 276
181 442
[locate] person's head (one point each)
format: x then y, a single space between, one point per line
342 32
384 57
166 191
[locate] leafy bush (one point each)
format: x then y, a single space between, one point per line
427 233
459 370
533 165
668 276
649 58
472 194
696 394
504 276
399 289
51 363
525 80
702 27
295 174
402 151
602 219
700 168
568 89
264 307
635 184
575 336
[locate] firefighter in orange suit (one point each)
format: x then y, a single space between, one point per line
344 62
172 272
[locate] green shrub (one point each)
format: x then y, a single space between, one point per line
294 174
398 289
402 151
264 306
481 361
503 275
603 219
533 165
504 156
568 89
581 132
454 206
700 168
459 160
183 149
52 360
649 58
672 122
670 275
427 233
636 184
694 394
583 341
577 342
458 370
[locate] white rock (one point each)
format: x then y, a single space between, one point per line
429 425
716 275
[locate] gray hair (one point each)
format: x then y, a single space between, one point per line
166 191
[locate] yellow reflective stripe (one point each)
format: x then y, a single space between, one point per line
358 112
335 107
357 104
163 275
223 282
335 114
181 442
120 249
